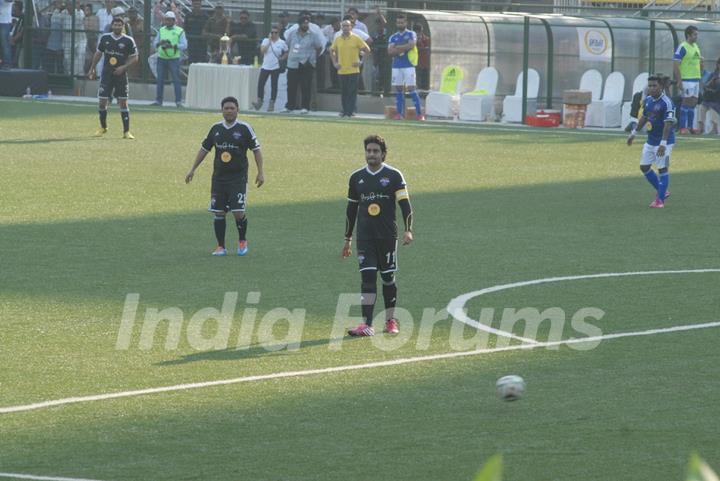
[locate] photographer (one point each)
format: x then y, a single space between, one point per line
170 42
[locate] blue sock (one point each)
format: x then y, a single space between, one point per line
416 100
400 102
664 183
652 177
683 117
691 118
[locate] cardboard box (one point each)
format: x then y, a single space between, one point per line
574 116
390 112
577 97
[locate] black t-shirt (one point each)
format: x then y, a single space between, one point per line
117 50
231 146
377 194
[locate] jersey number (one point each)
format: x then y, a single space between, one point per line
390 257
241 198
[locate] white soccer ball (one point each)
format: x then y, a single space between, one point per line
510 388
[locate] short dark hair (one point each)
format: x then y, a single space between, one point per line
401 15
229 99
118 19
690 30
353 9
376 139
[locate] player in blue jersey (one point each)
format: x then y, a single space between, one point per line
403 71
658 111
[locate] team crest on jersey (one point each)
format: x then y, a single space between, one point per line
113 61
384 181
236 135
374 209
226 157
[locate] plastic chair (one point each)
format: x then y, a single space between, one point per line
479 104
639 85
512 104
607 112
443 103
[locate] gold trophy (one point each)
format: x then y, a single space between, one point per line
224 49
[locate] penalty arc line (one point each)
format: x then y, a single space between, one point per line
41 478
352 367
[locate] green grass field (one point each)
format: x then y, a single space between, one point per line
85 222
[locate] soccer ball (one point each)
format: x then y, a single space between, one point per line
510 388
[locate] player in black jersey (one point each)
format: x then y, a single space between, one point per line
373 193
231 140
120 53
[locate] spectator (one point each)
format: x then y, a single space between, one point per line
283 20
78 59
274 50
304 47
170 42
105 17
194 25
357 24
16 32
243 35
422 69
92 26
346 52
711 101
216 26
136 26
6 8
40 35
54 61
364 36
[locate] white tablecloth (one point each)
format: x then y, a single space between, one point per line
209 83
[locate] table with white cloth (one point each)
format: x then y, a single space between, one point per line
209 83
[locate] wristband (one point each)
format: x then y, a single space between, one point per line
348 239
663 143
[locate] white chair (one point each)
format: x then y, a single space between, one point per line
592 80
638 86
607 112
479 104
512 104
444 103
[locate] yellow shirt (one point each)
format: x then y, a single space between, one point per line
347 50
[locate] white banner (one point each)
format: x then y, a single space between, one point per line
595 44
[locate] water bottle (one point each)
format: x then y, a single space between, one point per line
28 93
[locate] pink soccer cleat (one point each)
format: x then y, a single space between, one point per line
391 326
363 330
657 204
421 118
398 117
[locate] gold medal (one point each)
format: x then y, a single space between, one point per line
226 157
113 61
373 209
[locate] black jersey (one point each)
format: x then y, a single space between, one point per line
117 50
377 194
231 146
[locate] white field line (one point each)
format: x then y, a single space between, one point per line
456 306
41 478
352 367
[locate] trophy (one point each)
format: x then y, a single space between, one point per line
224 49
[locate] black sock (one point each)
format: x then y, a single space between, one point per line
242 228
220 230
125 114
390 295
103 118
368 305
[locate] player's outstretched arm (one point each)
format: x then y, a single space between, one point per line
198 159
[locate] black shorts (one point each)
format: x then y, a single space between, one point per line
228 196
113 86
377 254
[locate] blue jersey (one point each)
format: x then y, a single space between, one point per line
402 38
659 111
